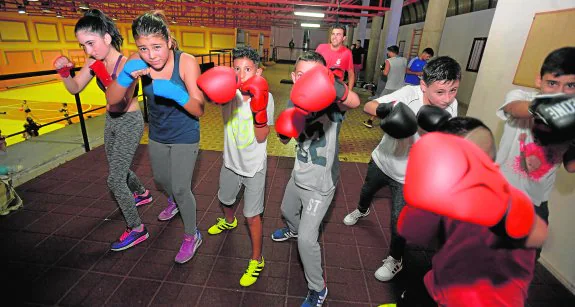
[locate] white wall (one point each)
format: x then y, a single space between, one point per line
456 40
282 37
509 30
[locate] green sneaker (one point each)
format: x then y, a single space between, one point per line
222 225
252 272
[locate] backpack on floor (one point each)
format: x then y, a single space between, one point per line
9 199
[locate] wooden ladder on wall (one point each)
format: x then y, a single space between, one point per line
415 41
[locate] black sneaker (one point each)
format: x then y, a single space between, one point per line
368 123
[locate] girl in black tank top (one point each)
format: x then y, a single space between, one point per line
101 41
175 103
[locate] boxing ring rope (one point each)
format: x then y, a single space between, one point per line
80 114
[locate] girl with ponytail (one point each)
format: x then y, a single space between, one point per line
102 42
175 103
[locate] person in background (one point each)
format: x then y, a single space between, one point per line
337 56
394 71
415 67
358 57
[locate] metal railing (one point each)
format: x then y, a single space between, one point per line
80 114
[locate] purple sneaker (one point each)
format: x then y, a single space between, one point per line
130 238
142 199
170 211
189 247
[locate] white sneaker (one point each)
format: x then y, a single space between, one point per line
389 269
352 218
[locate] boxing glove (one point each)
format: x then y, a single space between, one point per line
317 89
170 90
219 84
430 118
124 77
257 87
397 119
99 69
450 176
65 66
291 122
554 117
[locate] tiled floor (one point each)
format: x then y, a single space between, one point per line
56 250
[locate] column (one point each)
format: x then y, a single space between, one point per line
372 50
433 27
381 54
362 26
349 36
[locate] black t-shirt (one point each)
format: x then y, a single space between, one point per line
357 53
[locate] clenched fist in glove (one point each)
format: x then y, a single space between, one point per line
451 176
257 87
554 119
219 84
317 89
397 119
430 117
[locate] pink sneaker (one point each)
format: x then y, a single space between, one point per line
142 199
170 211
189 247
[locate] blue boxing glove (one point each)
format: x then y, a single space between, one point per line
124 78
170 90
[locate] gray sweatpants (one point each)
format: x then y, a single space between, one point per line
304 211
173 167
122 136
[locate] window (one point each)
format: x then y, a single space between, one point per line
476 54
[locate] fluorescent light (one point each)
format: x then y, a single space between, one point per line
21 9
309 14
84 6
310 25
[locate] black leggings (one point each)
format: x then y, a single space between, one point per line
375 179
543 212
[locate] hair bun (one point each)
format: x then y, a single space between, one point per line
94 13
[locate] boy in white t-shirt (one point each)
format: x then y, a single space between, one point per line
246 126
526 165
389 159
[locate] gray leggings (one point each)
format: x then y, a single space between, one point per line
173 167
121 139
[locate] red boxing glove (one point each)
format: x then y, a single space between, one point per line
317 89
219 84
257 87
65 66
291 122
99 69
451 176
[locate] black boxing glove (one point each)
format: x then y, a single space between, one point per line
554 119
397 119
430 118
